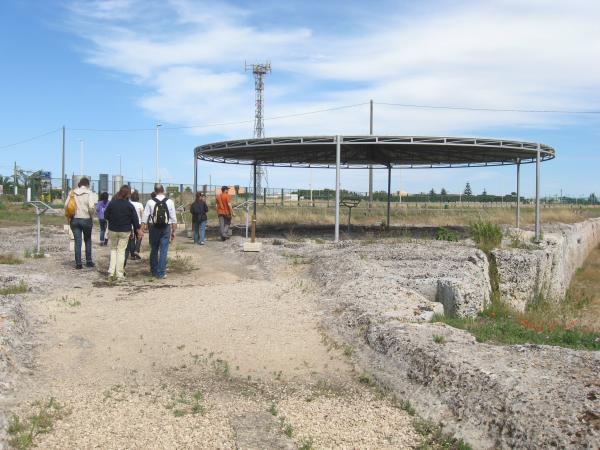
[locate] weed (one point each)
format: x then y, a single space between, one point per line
438 339
20 288
33 253
486 235
288 429
187 404
273 409
221 367
366 379
278 375
435 438
70 302
444 234
179 412
180 347
180 264
23 432
404 405
306 444
348 350
10 259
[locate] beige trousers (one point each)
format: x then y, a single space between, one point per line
118 244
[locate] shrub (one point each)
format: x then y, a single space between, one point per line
486 235
444 234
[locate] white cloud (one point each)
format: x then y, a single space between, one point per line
504 54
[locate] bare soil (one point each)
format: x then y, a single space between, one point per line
223 353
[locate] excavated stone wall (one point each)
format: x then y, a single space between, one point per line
546 268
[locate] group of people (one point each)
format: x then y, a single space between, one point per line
127 221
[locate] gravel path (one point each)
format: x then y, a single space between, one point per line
227 355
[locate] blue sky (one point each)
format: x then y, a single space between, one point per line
128 64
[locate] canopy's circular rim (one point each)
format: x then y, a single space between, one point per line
521 151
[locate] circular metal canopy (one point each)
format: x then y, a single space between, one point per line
376 151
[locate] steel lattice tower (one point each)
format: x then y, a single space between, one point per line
259 71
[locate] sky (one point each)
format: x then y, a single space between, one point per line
126 65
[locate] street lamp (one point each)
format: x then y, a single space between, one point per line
157 161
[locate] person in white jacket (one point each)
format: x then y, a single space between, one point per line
81 223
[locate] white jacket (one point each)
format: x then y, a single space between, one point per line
86 201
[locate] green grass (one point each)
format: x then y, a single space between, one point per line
20 288
306 444
366 379
444 234
10 259
500 324
22 433
486 235
439 339
435 439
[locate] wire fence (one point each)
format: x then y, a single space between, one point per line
50 190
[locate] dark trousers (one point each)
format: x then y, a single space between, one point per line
103 225
82 228
133 247
159 246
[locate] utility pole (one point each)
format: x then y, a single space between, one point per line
157 148
81 157
62 172
371 166
259 71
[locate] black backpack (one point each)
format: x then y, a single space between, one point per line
160 215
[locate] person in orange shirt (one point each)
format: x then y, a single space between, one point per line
224 211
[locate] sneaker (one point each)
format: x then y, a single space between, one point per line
202 243
90 264
78 266
136 256
161 277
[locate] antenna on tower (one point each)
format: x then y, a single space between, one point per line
259 71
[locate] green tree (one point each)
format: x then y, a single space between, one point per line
484 193
468 190
593 198
432 191
443 192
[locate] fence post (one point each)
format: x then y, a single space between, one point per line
264 196
282 197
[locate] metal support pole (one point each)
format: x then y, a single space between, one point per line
338 151
63 180
195 174
371 166
537 196
253 236
518 193
157 160
389 194
39 226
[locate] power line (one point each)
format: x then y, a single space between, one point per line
466 108
219 124
29 139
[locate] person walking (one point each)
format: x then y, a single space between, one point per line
224 211
135 242
199 218
161 222
122 218
100 208
81 221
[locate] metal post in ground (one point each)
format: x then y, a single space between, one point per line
518 193
62 171
537 195
195 174
389 194
253 236
338 152
371 166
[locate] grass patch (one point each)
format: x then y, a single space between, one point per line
10 259
185 404
444 234
486 235
22 433
180 264
273 409
438 339
33 253
306 444
543 323
404 405
366 379
435 439
20 288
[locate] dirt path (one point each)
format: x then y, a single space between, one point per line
223 356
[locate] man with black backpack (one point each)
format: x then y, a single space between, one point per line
161 222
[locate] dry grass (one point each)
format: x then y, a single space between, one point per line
10 259
585 288
411 215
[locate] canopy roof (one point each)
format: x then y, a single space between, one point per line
376 151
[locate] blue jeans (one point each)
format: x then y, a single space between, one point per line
103 224
83 227
159 247
199 232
